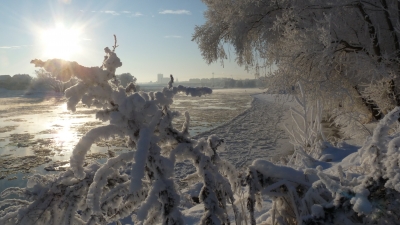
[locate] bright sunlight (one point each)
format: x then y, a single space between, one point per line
61 42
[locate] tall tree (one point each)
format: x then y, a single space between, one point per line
333 47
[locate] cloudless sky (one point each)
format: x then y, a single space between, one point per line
153 36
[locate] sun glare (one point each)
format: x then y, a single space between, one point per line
61 42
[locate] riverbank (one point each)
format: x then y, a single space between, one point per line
256 133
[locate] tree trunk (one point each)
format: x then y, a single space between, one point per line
372 32
392 85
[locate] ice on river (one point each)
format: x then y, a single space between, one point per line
37 131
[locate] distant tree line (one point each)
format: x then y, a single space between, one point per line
16 82
44 81
226 82
248 83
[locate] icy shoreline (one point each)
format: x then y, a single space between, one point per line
257 133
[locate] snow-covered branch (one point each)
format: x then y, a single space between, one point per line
138 183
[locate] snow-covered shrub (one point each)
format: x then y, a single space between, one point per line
126 78
352 115
375 194
313 196
306 136
286 187
381 93
350 124
45 81
139 183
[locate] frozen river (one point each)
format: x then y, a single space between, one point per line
38 132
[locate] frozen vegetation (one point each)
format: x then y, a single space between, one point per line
338 60
310 186
142 175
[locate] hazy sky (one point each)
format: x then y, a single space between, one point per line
153 36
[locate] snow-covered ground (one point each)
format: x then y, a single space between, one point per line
259 133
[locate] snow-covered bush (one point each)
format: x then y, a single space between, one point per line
371 195
125 79
350 124
352 115
44 81
381 93
306 136
139 183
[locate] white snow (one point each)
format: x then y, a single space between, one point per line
258 132
253 137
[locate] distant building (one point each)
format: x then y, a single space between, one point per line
162 80
159 78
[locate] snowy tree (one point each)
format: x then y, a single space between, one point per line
139 183
333 47
45 81
126 78
367 194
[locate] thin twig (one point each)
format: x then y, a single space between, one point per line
115 43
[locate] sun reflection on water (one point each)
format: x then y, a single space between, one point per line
64 133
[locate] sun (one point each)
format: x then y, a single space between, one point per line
61 42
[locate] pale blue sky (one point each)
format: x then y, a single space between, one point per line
153 36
